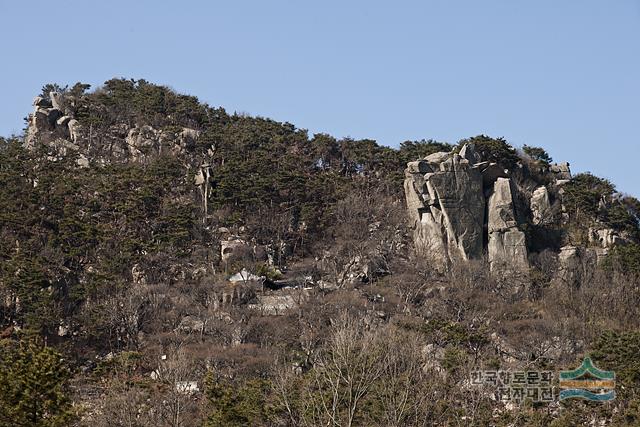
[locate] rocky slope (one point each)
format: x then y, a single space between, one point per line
183 257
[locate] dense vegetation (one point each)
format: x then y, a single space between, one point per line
114 294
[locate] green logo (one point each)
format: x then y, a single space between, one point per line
588 382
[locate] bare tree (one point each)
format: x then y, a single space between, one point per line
353 360
402 393
177 373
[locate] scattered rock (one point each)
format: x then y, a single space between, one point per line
82 161
187 387
244 276
190 325
275 305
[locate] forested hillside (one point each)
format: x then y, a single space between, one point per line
164 262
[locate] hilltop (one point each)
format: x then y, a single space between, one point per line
190 264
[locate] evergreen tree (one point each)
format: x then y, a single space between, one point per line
32 386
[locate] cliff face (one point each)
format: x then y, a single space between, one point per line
462 207
444 194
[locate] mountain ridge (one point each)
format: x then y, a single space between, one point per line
176 253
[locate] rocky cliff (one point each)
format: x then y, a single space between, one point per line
462 208
465 207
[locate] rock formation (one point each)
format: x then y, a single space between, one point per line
53 124
446 195
540 205
46 118
507 249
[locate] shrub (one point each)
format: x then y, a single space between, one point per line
493 150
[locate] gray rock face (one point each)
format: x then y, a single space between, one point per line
508 252
491 172
605 237
141 141
501 216
446 207
507 249
419 166
575 264
561 171
540 205
74 129
57 100
460 204
274 305
445 195
39 101
469 153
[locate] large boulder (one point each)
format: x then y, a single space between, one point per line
469 153
561 171
63 121
234 249
501 215
420 166
507 248
437 158
74 129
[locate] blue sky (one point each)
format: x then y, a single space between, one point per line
564 75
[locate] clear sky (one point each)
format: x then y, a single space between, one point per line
561 74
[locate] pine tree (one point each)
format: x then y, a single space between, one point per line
32 386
